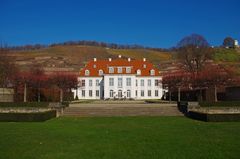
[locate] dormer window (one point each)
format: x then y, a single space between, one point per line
94 66
144 66
111 70
119 69
138 72
100 72
87 72
152 72
128 70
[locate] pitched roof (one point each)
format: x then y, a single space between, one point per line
95 65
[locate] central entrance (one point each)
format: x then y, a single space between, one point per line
119 93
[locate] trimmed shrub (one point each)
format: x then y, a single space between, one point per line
214 117
220 104
28 117
24 104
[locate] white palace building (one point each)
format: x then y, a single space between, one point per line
119 79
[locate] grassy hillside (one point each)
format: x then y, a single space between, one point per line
228 58
74 57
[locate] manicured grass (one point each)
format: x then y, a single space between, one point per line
120 137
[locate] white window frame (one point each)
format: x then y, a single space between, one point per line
120 82
120 70
128 69
87 72
111 81
149 82
90 82
152 72
142 82
111 70
128 81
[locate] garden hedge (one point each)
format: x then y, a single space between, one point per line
24 104
213 117
220 104
28 117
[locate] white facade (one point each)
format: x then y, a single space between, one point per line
123 87
119 82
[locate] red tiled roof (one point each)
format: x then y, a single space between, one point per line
95 66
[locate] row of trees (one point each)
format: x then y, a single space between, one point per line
35 79
196 71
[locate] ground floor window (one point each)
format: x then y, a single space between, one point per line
90 93
97 93
83 93
156 93
142 93
111 93
128 94
136 93
149 93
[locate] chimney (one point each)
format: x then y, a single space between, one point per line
144 59
110 59
94 59
119 56
129 59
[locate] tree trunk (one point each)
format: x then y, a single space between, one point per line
25 93
179 94
170 95
200 95
39 95
215 93
61 95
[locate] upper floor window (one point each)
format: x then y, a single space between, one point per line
156 82
136 83
142 82
119 82
111 70
149 82
90 83
119 69
100 72
152 72
128 70
138 72
87 72
128 81
111 81
97 82
83 83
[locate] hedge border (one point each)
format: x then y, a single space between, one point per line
24 104
213 117
28 117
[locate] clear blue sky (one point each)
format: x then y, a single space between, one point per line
155 23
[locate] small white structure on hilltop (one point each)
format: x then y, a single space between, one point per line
236 43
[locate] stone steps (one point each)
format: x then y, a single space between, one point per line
122 110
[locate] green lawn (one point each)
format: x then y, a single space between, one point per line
120 137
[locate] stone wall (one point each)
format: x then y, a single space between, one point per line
6 95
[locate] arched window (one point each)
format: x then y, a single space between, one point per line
119 93
152 72
138 72
87 72
100 72
128 94
111 93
